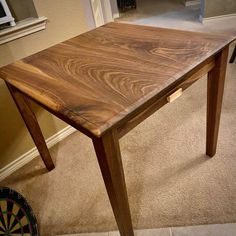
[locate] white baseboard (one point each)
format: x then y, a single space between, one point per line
192 3
116 15
22 28
31 154
218 17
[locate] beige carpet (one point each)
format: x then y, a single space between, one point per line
169 179
173 14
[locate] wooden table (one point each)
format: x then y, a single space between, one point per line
108 80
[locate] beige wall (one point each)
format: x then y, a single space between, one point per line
219 7
67 18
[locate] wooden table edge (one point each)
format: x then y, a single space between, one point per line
158 100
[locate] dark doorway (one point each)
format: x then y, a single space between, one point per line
124 5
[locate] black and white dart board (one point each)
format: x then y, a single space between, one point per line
16 216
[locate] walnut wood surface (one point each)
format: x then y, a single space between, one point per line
143 113
215 90
95 80
32 125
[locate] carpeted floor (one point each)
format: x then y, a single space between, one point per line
169 179
173 14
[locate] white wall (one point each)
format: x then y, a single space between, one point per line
114 8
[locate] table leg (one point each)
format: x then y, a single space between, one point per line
109 158
32 124
232 59
215 90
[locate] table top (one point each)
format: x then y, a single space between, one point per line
98 78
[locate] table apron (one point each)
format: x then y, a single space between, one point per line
154 105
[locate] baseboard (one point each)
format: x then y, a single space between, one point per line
218 17
192 3
116 15
31 154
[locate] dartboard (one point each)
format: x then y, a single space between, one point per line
16 216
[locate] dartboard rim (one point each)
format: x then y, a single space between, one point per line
11 195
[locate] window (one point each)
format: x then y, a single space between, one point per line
26 19
5 14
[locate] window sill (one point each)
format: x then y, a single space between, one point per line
22 28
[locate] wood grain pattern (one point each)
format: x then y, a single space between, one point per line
96 79
215 90
146 110
32 125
